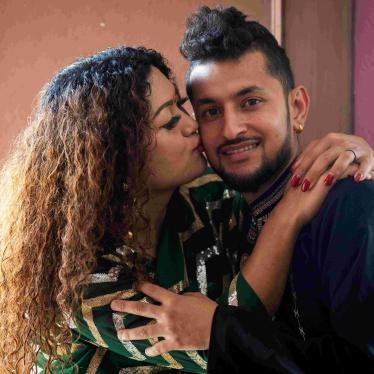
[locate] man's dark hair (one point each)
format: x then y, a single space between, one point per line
224 33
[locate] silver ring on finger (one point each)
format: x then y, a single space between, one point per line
354 155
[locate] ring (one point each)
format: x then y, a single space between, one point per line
354 155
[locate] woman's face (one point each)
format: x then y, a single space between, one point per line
175 153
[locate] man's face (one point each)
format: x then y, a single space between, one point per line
244 122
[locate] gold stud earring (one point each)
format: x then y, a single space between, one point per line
299 128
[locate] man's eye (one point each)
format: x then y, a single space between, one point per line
210 113
172 123
252 102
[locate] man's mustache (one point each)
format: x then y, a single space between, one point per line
237 140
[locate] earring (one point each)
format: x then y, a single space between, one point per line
299 128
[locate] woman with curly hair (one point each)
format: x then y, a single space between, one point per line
91 202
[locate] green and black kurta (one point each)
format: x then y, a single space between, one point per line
197 252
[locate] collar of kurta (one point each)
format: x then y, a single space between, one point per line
256 214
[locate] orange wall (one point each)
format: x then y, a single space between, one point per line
39 37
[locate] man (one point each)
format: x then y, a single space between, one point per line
241 87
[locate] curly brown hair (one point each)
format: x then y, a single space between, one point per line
63 197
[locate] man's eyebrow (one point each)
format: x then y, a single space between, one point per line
244 91
163 106
205 100
248 90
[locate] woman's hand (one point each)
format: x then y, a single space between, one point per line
184 321
339 154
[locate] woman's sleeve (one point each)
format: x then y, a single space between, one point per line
98 324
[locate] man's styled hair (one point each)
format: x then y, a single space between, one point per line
224 33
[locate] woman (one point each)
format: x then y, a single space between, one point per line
90 203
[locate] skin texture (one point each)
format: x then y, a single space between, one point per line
245 118
174 157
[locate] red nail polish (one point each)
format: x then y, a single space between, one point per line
358 177
329 179
305 186
295 180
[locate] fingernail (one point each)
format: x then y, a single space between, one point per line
149 352
329 179
358 177
295 180
305 186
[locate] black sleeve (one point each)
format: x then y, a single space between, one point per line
246 340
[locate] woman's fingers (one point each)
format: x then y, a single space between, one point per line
334 153
138 308
140 333
364 168
160 347
156 292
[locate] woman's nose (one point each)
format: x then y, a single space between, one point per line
190 126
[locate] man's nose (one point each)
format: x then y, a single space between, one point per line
232 125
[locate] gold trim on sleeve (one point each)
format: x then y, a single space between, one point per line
233 294
96 360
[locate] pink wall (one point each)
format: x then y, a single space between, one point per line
364 69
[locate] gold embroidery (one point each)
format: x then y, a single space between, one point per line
194 356
233 294
118 320
113 258
179 287
197 224
202 180
174 364
142 370
88 304
96 360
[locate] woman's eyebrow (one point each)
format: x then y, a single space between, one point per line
163 106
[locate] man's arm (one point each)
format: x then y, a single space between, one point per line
247 339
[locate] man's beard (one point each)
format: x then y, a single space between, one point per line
268 169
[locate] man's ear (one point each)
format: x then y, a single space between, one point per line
298 103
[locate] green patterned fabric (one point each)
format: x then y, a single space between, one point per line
196 253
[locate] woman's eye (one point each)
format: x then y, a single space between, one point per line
172 123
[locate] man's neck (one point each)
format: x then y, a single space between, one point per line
250 197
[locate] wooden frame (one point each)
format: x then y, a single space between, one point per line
276 19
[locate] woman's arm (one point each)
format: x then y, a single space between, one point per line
265 272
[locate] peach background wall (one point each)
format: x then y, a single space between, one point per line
317 38
364 69
39 37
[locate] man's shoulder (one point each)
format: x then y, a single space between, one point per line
347 186
348 206
347 192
